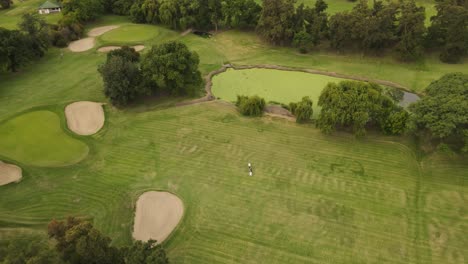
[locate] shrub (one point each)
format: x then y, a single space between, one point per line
126 52
250 106
302 110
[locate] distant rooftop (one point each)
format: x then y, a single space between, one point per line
49 5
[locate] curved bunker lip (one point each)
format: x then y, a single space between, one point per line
157 215
9 173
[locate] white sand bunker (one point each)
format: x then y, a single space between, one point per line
111 48
85 118
100 30
9 173
81 45
157 214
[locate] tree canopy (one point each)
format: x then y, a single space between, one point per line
302 110
250 105
443 112
355 105
172 68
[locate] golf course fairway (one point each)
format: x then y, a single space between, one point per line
37 139
273 85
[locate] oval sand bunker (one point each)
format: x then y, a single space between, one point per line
81 45
157 214
111 48
85 118
100 30
9 173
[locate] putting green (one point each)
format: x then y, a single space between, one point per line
131 33
273 85
37 139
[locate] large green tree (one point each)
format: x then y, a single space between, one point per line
302 110
411 30
15 50
242 14
276 23
83 10
29 249
172 68
78 242
443 112
37 32
449 29
355 105
122 80
250 105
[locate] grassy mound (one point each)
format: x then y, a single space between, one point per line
37 139
131 34
273 85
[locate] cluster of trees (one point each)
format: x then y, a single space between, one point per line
170 69
250 105
442 114
201 14
5 4
19 47
358 105
76 242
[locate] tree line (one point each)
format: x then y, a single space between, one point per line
75 241
372 29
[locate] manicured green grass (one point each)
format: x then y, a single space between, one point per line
273 85
131 34
313 198
37 139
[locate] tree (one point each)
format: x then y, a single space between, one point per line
5 4
250 106
242 14
83 10
145 252
302 40
449 29
411 30
37 32
14 49
78 242
126 52
172 68
122 80
302 110
443 112
276 24
28 249
355 105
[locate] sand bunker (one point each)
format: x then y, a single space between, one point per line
157 214
85 118
9 173
81 45
100 30
111 48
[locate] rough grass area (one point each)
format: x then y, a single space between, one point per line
273 85
37 139
313 198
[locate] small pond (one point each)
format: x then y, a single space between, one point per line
408 98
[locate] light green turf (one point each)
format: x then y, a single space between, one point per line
131 34
37 139
273 85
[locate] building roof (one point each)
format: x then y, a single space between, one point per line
48 5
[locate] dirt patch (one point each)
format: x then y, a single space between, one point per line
81 45
278 111
111 48
9 173
85 118
100 30
157 214
186 32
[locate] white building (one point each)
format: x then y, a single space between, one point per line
49 7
